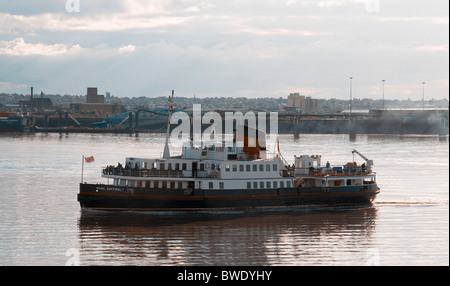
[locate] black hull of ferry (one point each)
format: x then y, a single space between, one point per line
96 196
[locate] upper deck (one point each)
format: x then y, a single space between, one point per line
179 168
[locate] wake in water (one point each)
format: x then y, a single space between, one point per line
415 201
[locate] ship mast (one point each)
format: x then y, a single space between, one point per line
166 153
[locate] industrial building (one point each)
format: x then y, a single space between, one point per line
36 103
96 103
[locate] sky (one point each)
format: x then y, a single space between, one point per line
229 48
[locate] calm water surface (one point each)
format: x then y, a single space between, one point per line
41 222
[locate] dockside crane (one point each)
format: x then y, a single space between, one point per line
369 163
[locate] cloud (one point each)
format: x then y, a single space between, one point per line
11 87
229 48
286 32
433 48
127 49
18 47
64 22
328 3
431 20
138 7
102 15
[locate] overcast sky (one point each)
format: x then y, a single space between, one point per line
252 48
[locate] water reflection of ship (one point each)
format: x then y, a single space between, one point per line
296 238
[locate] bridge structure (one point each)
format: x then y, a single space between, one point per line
134 120
393 122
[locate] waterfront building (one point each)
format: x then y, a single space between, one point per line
302 104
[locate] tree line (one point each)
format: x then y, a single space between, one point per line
332 105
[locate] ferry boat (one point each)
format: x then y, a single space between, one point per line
215 177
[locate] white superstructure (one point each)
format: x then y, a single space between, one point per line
207 167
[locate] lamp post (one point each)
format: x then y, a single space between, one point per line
383 92
423 95
351 101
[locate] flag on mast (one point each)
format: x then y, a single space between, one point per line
89 159
85 159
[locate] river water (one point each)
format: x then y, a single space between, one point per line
41 222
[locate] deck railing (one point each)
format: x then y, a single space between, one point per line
127 172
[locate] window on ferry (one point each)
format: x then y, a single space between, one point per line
267 167
213 166
274 167
180 185
247 168
184 166
202 166
172 185
261 185
162 166
177 166
227 168
261 167
155 165
221 185
249 185
255 168
288 184
211 185
241 168
164 184
255 185
234 168
132 183
169 166
282 184
268 185
275 184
